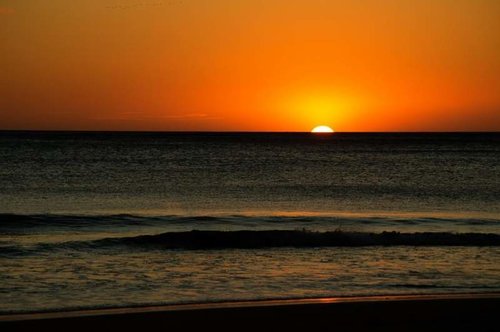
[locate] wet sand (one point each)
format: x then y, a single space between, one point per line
467 312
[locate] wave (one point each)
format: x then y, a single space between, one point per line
30 234
195 240
280 238
247 239
10 220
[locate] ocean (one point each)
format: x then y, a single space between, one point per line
101 219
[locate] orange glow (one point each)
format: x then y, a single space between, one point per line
243 65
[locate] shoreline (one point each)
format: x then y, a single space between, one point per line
223 304
398 312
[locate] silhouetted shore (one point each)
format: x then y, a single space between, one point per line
478 312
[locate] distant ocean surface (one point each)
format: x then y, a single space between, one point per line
91 220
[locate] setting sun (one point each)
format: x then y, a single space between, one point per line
322 129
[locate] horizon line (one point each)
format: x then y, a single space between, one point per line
249 131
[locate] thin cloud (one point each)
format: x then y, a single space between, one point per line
136 5
131 116
197 116
185 116
6 11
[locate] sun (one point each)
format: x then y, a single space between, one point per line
322 130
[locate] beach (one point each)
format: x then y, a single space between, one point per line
460 312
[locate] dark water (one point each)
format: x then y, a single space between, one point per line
105 219
208 174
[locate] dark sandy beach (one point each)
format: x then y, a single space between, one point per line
468 312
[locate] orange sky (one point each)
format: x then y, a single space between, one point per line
275 65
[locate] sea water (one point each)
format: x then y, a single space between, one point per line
117 219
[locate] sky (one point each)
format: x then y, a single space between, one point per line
250 65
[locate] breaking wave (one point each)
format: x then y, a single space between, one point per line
283 238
